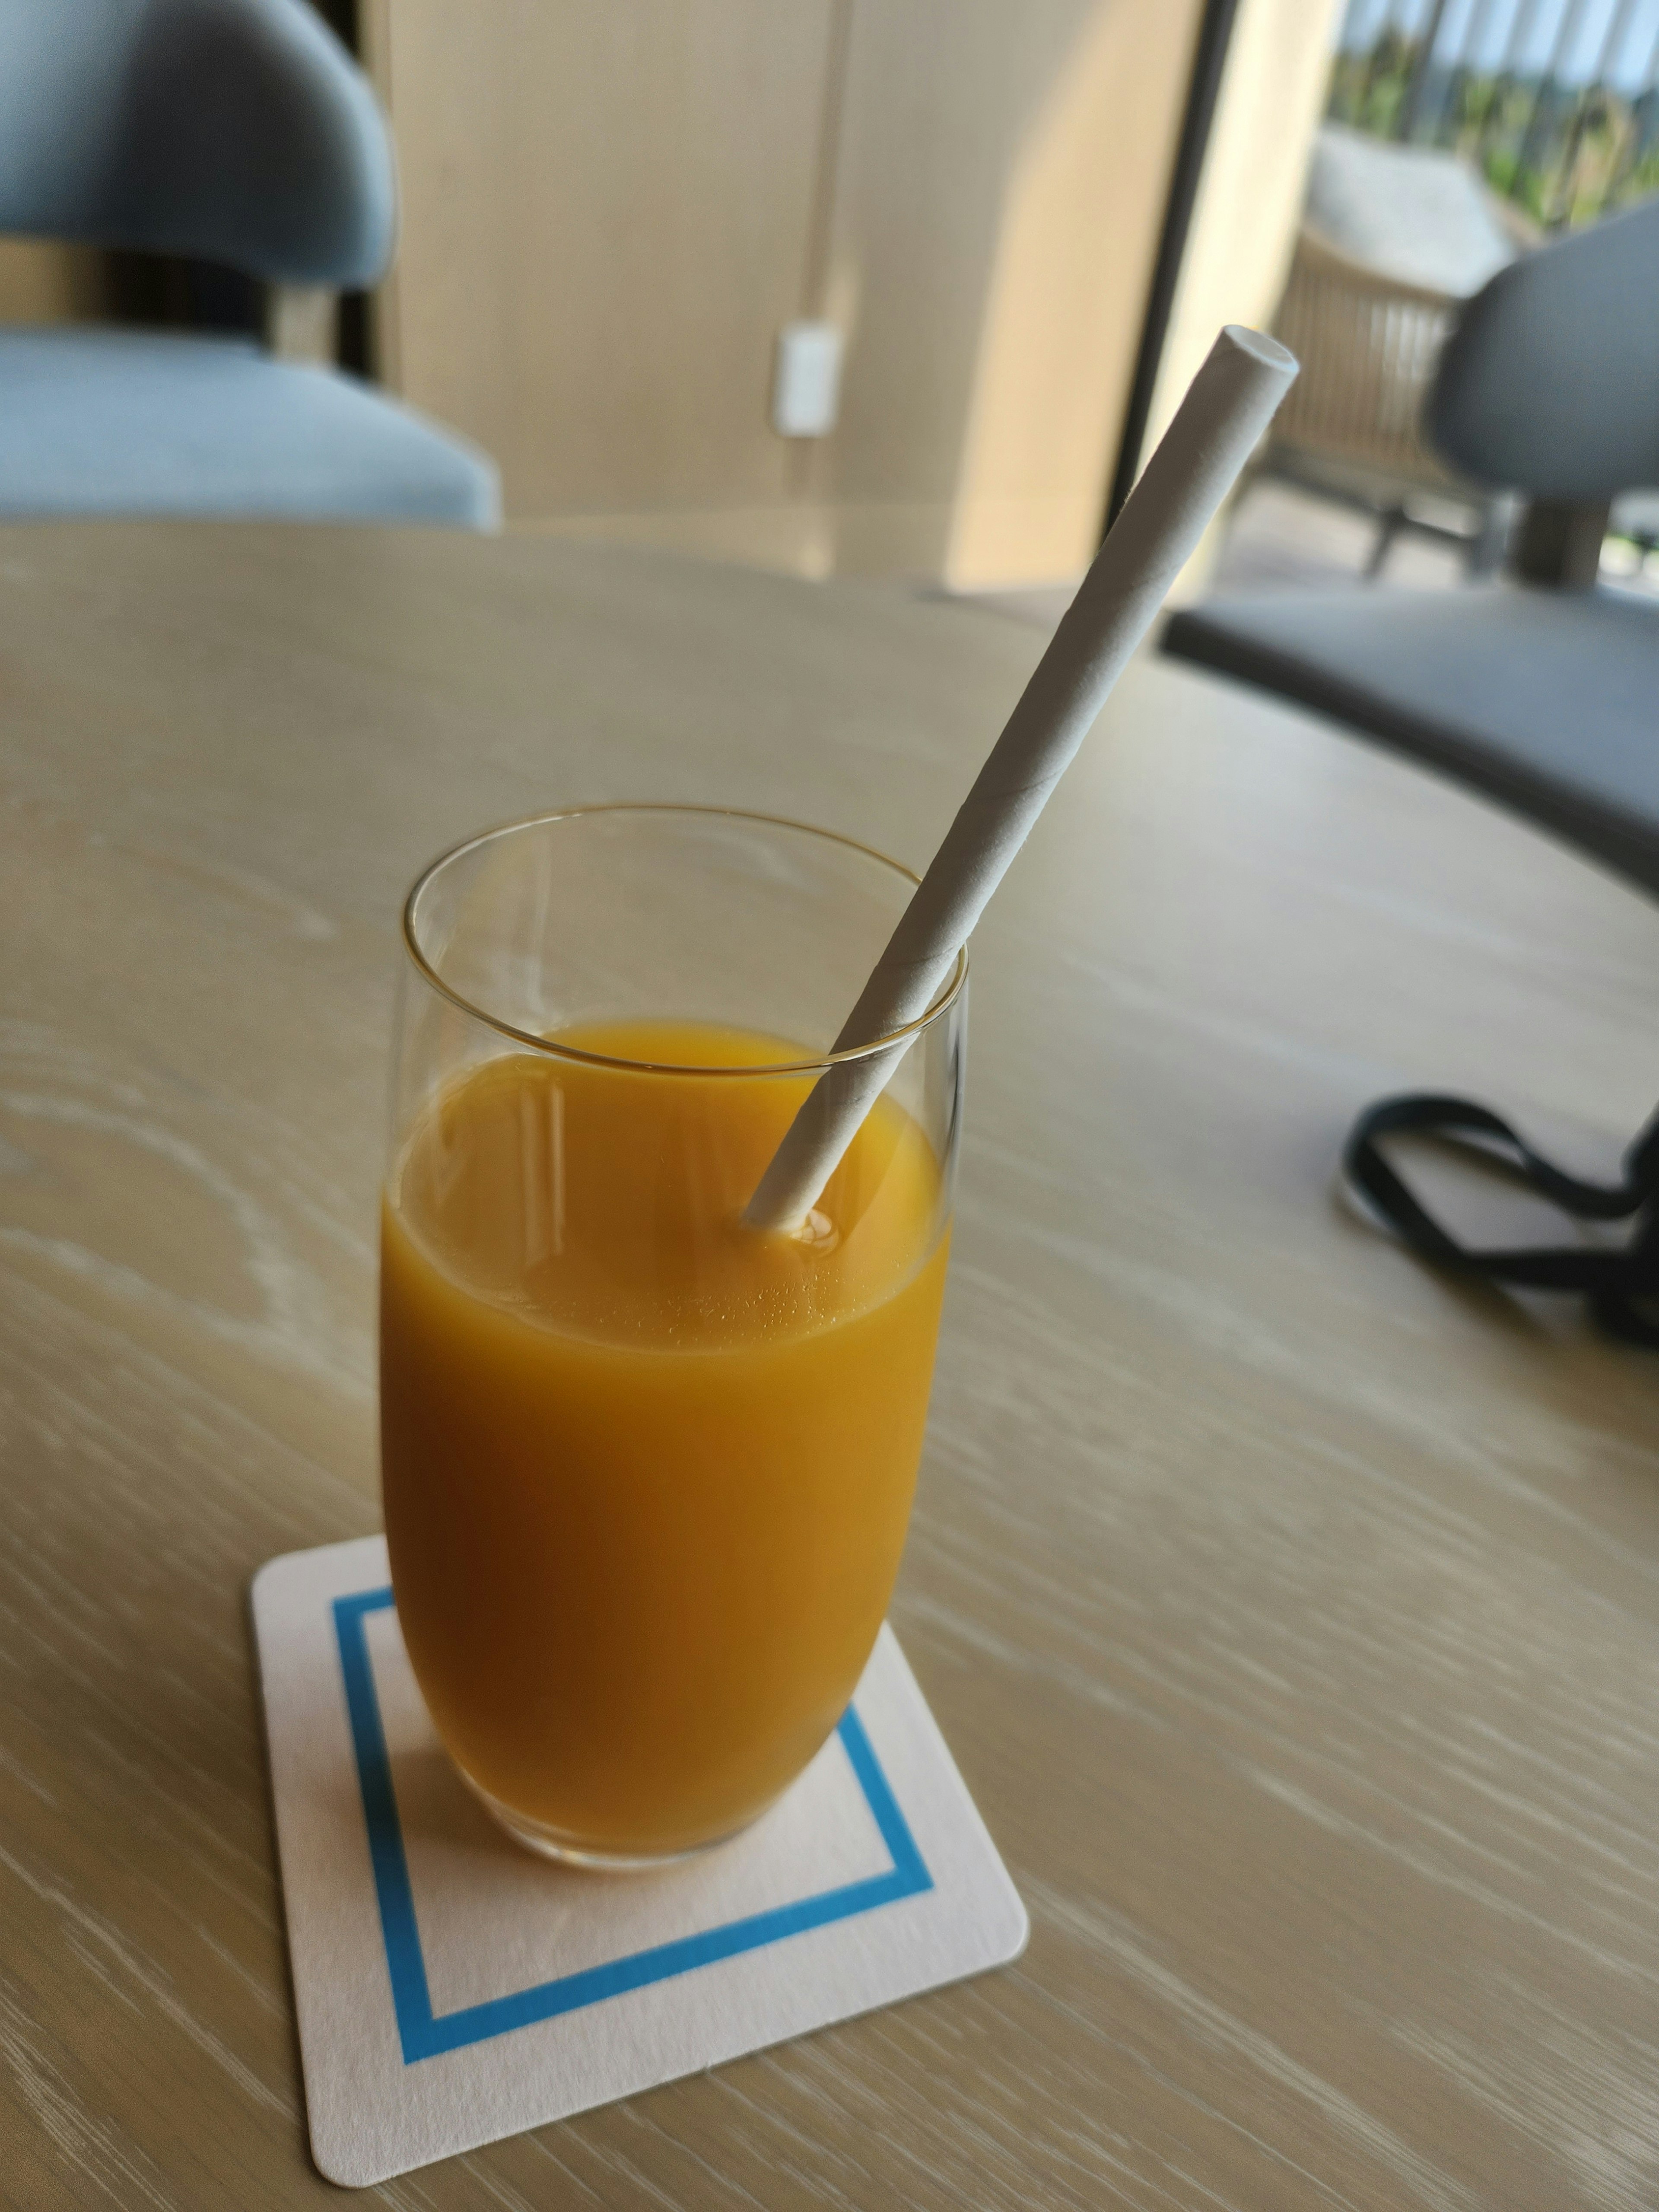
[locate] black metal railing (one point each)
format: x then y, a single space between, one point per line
1556 101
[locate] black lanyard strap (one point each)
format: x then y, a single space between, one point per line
1614 1281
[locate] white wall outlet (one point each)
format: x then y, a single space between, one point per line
806 380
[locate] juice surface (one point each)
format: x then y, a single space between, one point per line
647 1473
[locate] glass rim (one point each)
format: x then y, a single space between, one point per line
819 1063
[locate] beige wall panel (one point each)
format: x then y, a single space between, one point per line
1002 178
1004 175
1068 295
606 215
609 211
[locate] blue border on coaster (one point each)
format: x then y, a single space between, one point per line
424 2034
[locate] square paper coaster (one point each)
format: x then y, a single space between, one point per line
453 1989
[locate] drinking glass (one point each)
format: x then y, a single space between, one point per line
647 1471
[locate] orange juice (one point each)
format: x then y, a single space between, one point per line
647 1472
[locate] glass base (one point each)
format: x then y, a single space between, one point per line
549 1843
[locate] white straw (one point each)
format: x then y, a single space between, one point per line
1229 403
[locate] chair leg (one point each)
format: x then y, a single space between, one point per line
1490 543
1559 543
1389 527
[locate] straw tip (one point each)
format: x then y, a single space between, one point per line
1266 351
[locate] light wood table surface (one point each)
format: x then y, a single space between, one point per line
1294 1616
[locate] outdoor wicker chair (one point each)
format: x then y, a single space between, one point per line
1394 238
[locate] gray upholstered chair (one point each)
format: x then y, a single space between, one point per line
1541 691
241 132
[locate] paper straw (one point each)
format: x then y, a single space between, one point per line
1229 403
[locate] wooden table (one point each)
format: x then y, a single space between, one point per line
1293 1614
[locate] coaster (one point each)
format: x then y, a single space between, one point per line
453 1989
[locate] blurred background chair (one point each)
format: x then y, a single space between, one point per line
1394 239
1541 691
240 131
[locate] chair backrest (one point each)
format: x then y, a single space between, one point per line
236 131
1549 384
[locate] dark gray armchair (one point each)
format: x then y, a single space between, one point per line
241 132
1540 690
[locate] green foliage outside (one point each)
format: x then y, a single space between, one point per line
1563 154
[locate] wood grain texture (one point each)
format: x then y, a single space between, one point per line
1291 1613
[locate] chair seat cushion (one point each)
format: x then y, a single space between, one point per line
1548 701
108 422
1409 212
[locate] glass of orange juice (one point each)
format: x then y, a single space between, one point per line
647 1471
